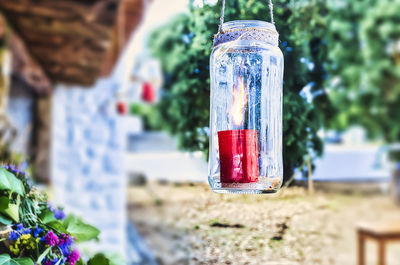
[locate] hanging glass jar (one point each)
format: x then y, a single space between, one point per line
246 69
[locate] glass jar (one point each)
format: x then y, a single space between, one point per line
246 69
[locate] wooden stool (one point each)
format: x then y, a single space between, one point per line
382 233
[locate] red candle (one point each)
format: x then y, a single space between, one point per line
238 154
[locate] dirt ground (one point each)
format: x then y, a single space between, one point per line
189 224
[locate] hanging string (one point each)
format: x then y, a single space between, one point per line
271 11
221 19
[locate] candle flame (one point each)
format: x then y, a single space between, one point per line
239 102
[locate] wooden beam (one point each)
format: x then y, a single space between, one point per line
42 138
4 80
26 68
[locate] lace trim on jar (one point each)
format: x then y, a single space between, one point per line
264 35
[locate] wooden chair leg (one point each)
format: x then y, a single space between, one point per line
381 252
361 249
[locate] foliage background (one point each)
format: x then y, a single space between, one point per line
342 67
184 47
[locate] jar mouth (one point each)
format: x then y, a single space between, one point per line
250 30
240 24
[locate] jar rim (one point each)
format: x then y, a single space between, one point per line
239 24
252 30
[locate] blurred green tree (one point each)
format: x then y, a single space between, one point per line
344 59
364 65
184 46
379 92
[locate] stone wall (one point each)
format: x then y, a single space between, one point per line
87 165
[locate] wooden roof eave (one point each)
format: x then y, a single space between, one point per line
69 41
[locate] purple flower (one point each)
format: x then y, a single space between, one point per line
14 235
59 214
65 250
51 262
20 227
26 231
73 257
65 244
65 239
51 239
13 169
51 207
37 231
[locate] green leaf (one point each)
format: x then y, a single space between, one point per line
5 259
5 220
80 262
114 258
99 259
4 201
57 226
82 231
68 220
13 212
42 256
22 261
47 216
9 181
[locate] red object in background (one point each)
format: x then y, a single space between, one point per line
121 108
148 93
238 154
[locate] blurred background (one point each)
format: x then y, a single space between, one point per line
107 103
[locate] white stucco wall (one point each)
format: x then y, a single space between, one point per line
87 165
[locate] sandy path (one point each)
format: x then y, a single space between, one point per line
192 225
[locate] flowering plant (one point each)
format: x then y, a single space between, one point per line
32 231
